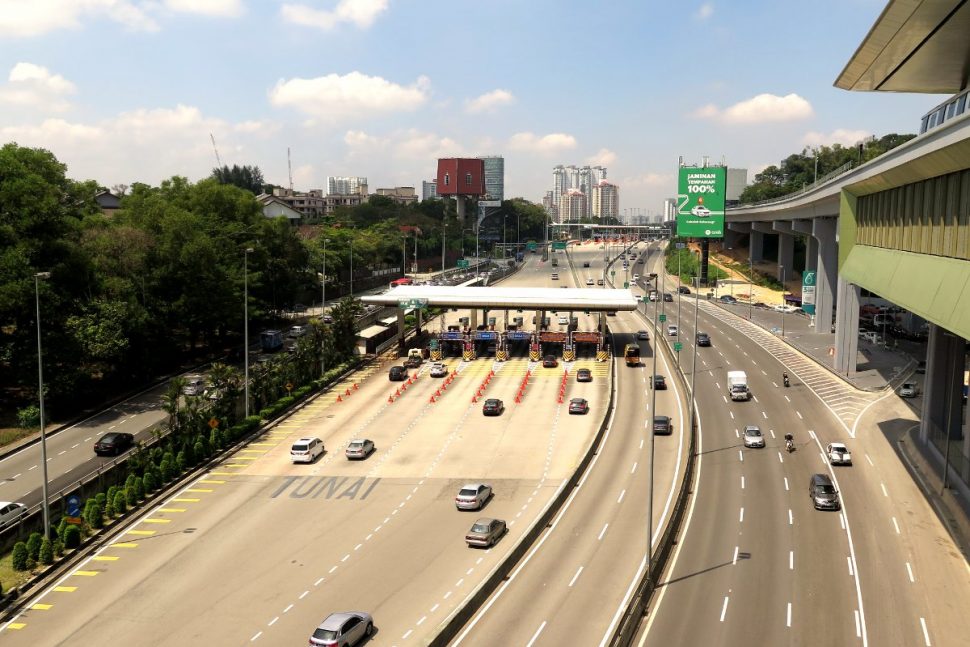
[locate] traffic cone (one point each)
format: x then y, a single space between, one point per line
397 393
339 399
390 399
347 392
431 399
355 386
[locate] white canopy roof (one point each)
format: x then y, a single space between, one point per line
508 298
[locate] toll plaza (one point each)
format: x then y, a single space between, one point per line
506 321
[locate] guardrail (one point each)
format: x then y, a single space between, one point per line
805 189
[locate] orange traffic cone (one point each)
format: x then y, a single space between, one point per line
390 399
355 386
339 399
347 392
397 393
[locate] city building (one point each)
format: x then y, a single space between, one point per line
275 207
572 206
581 178
400 194
494 185
670 210
346 185
737 179
313 203
606 200
429 190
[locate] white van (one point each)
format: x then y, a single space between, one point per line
194 385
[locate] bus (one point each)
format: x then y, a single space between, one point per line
402 281
631 353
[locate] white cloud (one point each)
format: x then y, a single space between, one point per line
25 18
226 8
705 11
361 13
354 95
547 144
603 157
403 145
838 136
34 86
489 101
649 180
762 108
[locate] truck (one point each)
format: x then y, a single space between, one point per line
738 385
271 341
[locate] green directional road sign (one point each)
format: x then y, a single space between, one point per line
559 244
419 304
677 346
461 263
530 246
663 318
612 272
626 284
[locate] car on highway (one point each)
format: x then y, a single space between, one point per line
563 320
493 407
668 297
659 382
579 406
554 276
599 281
306 450
550 361
359 448
589 281
11 512
397 374
700 211
672 330
909 390
472 496
343 629
585 263
703 339
636 277
727 298
113 443
752 436
662 426
327 319
297 331
438 369
683 289
643 334
823 493
652 275
653 295
194 385
584 375
485 532
838 454
786 308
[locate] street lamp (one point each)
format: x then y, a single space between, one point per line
351 269
323 309
40 379
653 412
246 253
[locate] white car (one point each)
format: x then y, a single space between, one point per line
838 454
785 308
473 496
359 448
297 331
438 370
672 330
752 436
11 512
194 385
700 210
589 281
636 277
563 321
306 450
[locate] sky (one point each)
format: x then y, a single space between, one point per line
126 91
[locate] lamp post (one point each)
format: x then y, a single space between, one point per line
246 253
750 287
323 309
351 269
444 229
653 412
40 380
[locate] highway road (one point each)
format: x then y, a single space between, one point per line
758 564
267 549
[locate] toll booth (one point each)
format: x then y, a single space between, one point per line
485 343
517 342
451 343
552 343
586 344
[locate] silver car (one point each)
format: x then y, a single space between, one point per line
838 454
473 496
485 532
359 448
11 512
343 629
752 436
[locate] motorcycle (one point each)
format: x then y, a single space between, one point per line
786 381
789 443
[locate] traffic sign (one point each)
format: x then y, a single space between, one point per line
433 344
663 318
681 245
73 506
288 385
530 246
461 263
214 422
626 284
612 272
420 304
559 244
677 346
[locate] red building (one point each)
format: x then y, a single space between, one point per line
461 176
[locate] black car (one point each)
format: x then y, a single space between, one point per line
586 264
668 296
727 298
684 289
584 375
662 426
493 407
659 382
703 339
397 374
113 443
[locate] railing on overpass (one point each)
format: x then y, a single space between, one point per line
805 189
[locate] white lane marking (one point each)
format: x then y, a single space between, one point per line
870 460
909 570
63 451
799 414
345 557
257 635
418 623
763 372
781 459
287 608
446 595
791 519
75 446
896 525
603 531
731 412
317 583
459 582
858 625
883 486
772 432
842 520
926 634
788 617
787 398
741 516
849 562
32 468
791 560
641 443
469 571
741 455
357 547
536 634
273 621
634 468
786 483
576 576
407 633
742 481
435 607
304 594
725 398
620 498
724 608
735 559
332 569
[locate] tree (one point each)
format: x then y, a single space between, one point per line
247 177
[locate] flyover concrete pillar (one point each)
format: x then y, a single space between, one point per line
756 242
786 249
846 328
811 244
732 238
942 417
473 319
827 260
400 331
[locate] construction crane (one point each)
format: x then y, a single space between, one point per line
289 165
218 160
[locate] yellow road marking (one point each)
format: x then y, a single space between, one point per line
156 521
244 458
184 500
16 625
85 573
175 509
199 489
234 465
65 589
222 473
252 451
106 558
212 481
144 533
125 544
264 444
41 607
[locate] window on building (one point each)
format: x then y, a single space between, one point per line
468 179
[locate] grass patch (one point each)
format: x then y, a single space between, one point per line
9 577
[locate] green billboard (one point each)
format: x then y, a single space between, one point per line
700 201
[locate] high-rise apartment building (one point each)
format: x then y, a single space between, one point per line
346 185
429 190
605 200
494 176
581 178
572 206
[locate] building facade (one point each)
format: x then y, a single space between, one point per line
605 200
400 194
346 185
313 203
429 190
580 178
572 206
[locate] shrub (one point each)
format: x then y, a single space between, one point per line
28 417
216 439
168 469
58 547
149 482
46 551
131 497
180 462
33 545
102 500
18 559
93 515
60 528
199 450
139 488
130 481
72 536
120 502
112 491
109 509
